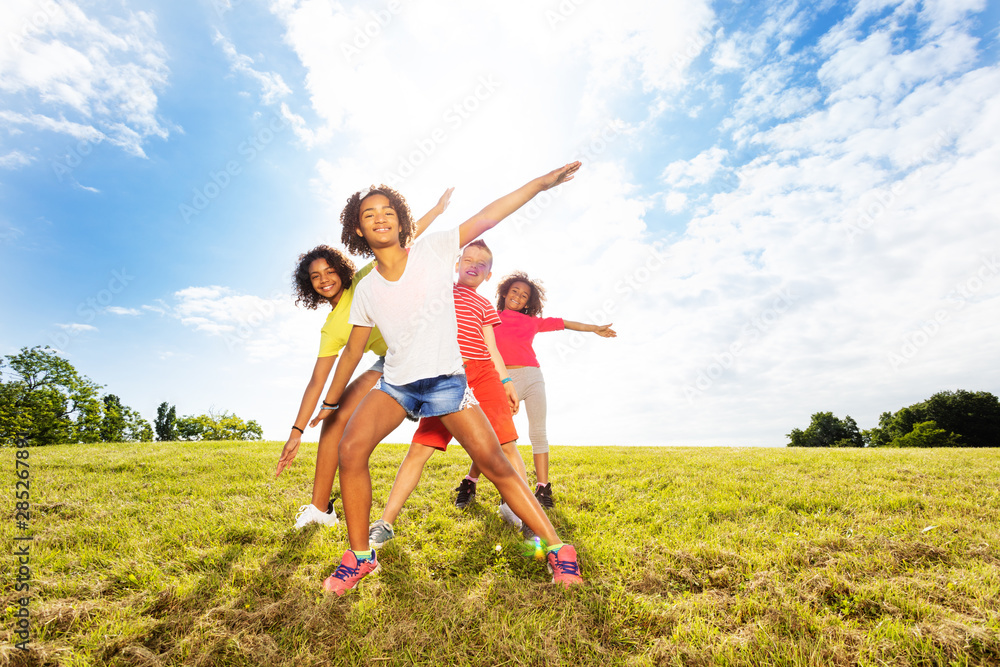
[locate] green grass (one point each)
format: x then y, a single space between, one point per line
183 553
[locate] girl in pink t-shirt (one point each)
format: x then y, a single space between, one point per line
519 302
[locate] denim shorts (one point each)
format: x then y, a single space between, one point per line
432 397
378 366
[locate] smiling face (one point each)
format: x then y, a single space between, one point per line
325 280
474 267
517 296
378 223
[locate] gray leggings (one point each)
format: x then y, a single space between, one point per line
530 386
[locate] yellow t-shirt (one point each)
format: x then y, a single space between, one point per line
336 330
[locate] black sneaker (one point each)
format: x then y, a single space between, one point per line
466 494
544 495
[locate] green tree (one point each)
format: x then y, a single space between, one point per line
826 430
42 397
973 415
969 419
166 422
137 429
212 426
927 434
113 422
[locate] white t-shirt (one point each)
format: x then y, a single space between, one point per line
416 314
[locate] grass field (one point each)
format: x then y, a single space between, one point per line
183 553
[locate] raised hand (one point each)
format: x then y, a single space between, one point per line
605 331
560 175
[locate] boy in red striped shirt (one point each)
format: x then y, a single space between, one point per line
484 369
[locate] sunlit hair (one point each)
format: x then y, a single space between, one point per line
350 219
534 306
479 243
305 294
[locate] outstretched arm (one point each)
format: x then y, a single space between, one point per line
430 216
353 351
508 387
603 330
321 371
486 219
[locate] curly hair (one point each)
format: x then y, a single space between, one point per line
534 306
305 294
350 219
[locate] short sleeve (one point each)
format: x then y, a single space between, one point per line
551 324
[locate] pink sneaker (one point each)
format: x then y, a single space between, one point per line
563 566
350 572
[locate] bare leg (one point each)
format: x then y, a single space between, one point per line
407 478
374 419
472 430
330 434
541 468
514 456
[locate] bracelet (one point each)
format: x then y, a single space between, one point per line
329 408
506 380
298 429
332 405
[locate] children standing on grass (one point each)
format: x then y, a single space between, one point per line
326 274
410 297
519 302
487 377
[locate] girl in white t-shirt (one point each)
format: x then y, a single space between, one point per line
326 275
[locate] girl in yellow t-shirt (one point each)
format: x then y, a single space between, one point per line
327 275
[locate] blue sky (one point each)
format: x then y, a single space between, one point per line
785 208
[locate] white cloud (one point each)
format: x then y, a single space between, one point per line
14 160
59 61
272 86
118 310
76 328
264 328
696 171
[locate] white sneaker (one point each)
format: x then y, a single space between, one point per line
311 514
508 515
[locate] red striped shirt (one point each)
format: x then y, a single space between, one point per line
473 312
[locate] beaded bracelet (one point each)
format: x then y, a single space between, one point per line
298 429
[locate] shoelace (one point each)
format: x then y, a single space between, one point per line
301 511
345 571
567 566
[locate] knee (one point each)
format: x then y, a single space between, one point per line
494 463
352 454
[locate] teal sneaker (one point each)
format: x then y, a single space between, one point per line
380 533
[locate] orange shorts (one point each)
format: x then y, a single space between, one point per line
485 384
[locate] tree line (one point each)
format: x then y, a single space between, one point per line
45 401
946 419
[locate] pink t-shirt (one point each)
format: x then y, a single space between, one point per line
514 338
